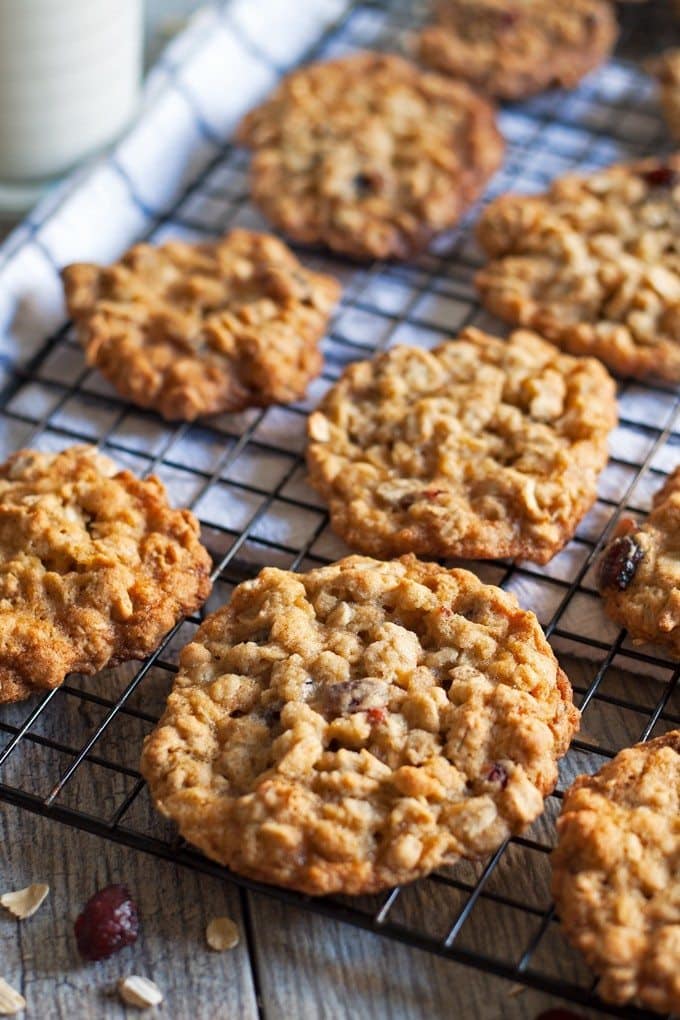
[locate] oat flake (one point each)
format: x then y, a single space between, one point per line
222 933
139 992
24 902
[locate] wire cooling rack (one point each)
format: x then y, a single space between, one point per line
73 754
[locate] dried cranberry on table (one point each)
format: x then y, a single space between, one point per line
108 922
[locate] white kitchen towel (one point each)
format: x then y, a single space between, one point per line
174 173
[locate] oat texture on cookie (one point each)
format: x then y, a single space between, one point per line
511 49
197 329
616 873
96 567
639 572
593 264
360 725
369 155
479 448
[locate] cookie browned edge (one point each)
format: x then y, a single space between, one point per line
661 361
195 385
425 539
192 587
486 145
582 846
436 45
159 761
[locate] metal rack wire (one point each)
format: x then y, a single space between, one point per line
72 756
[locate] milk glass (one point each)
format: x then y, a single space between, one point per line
70 73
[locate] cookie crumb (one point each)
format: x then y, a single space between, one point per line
139 992
23 903
222 933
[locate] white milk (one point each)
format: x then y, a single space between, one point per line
70 72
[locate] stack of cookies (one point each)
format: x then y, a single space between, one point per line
359 725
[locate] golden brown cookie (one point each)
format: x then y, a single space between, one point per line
511 49
616 873
360 725
479 448
666 69
593 264
639 572
95 567
195 329
369 155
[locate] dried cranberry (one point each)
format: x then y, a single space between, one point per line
368 183
498 774
661 176
362 184
619 563
107 923
375 715
415 497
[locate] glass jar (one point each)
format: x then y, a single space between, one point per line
70 73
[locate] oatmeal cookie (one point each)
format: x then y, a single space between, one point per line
639 572
360 725
616 873
196 329
511 49
95 567
666 69
593 264
369 155
479 448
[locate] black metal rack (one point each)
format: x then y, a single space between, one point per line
72 756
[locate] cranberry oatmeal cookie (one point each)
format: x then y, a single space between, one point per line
593 264
511 49
616 873
639 572
196 329
369 155
360 725
666 69
96 567
479 448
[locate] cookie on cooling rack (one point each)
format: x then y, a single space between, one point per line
666 69
96 567
593 264
197 329
479 448
511 49
639 572
358 726
616 873
369 155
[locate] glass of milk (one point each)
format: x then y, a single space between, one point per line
70 73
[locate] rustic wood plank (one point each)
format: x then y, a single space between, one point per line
39 957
